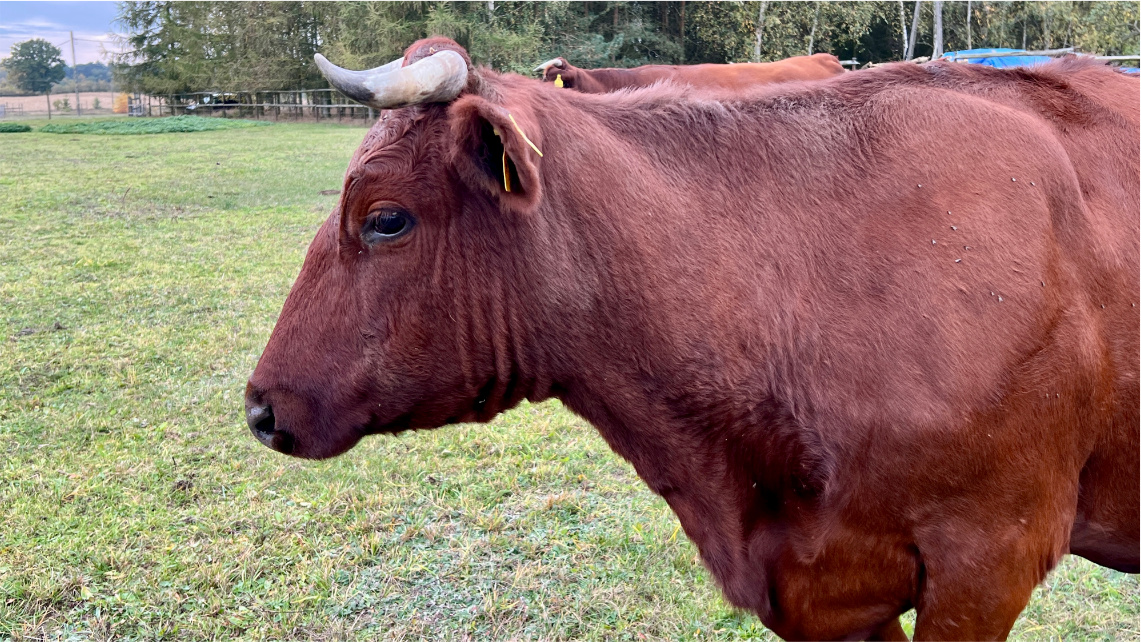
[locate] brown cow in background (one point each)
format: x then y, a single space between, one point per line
874 339
732 77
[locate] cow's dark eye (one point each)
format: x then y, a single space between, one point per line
386 225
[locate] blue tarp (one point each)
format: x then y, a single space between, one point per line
1001 61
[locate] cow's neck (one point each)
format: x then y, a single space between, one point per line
612 79
596 81
686 385
502 356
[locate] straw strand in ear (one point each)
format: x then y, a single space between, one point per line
525 139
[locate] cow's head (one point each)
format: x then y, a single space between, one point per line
560 72
402 316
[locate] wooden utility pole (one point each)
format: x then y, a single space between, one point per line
914 30
938 30
903 25
759 32
74 73
815 20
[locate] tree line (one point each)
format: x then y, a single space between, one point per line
92 76
193 46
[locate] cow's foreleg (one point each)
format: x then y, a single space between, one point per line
891 631
976 599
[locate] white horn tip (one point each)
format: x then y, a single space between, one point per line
553 62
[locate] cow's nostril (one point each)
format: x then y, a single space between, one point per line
260 420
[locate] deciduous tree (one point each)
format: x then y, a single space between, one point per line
34 66
196 46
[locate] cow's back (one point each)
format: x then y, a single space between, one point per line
733 77
742 75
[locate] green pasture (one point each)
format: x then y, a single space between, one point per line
140 277
166 125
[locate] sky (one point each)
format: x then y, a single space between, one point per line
91 21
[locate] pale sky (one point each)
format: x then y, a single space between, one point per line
51 21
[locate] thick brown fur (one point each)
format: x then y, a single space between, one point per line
874 339
707 76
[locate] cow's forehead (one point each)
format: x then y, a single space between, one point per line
389 129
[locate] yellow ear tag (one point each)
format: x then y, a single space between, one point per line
506 173
559 81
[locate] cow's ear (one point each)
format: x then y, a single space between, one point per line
498 149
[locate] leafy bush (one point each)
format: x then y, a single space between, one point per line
8 128
62 104
149 125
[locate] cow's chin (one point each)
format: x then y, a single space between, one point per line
297 425
308 446
337 440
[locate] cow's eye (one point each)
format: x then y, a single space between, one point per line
386 224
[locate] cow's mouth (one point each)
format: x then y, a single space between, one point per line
278 440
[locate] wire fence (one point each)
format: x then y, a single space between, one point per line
11 111
316 104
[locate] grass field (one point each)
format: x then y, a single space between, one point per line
164 125
140 277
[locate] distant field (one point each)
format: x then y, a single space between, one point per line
37 106
140 277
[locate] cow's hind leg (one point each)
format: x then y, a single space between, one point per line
1106 527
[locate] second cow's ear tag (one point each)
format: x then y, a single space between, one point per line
559 81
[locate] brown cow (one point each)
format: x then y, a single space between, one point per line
874 339
733 77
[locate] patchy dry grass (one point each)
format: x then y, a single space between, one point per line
139 280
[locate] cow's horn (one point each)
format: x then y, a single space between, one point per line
553 62
436 79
